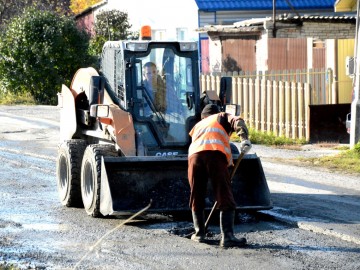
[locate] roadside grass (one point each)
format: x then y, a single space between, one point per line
347 160
8 267
16 99
270 139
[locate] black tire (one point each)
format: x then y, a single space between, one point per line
68 165
91 177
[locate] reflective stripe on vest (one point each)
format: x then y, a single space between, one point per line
208 134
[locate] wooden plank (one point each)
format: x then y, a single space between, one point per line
287 109
269 106
307 99
275 114
281 108
294 111
257 104
251 102
262 105
208 82
234 92
240 94
301 104
246 91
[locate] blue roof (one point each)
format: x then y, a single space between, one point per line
214 5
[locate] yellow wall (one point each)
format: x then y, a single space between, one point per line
345 47
345 5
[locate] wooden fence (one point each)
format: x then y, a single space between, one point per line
281 107
323 85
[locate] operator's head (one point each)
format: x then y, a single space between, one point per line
150 71
208 110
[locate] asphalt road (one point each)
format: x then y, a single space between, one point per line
314 223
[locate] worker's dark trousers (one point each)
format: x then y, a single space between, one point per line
210 165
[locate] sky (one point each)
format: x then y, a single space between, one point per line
159 13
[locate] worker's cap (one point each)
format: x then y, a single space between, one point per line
209 109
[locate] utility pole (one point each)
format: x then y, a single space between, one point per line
355 105
274 18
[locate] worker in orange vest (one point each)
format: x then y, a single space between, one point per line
210 158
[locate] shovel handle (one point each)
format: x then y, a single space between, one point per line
242 154
210 215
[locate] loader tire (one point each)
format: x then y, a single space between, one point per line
68 165
91 177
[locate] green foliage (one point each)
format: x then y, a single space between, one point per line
268 138
12 8
110 25
9 98
357 149
7 266
39 51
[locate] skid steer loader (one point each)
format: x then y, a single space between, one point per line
119 148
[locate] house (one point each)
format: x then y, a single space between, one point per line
292 42
228 12
295 40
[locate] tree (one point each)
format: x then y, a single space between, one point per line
40 51
78 6
11 8
110 25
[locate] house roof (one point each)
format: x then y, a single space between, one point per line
254 25
221 5
91 8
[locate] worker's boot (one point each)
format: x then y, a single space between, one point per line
227 230
199 225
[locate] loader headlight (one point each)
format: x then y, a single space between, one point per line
188 46
99 110
137 46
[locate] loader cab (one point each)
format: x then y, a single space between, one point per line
158 83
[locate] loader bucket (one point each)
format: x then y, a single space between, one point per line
129 183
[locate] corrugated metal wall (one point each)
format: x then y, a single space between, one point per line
204 57
238 55
319 56
287 53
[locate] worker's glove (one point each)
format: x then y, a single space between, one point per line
245 146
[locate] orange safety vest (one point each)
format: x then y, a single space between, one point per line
208 134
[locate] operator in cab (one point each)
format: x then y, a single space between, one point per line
155 86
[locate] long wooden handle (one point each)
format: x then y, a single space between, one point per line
242 154
210 215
